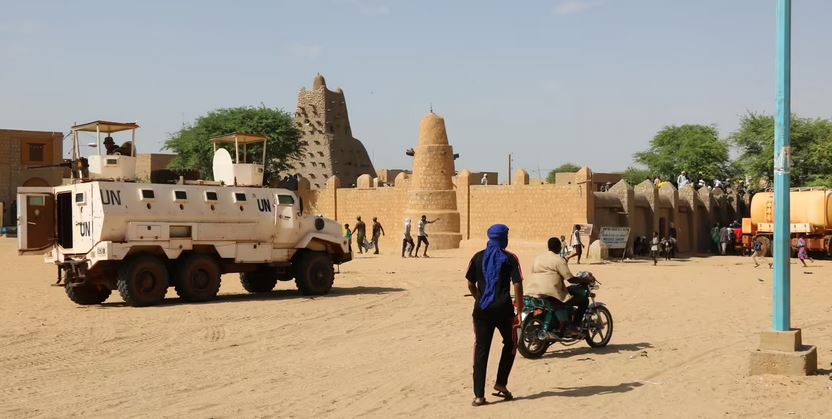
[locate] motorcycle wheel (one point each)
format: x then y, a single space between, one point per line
528 344
599 330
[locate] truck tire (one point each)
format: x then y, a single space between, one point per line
197 278
314 273
86 295
258 281
143 281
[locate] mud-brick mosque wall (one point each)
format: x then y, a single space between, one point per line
532 212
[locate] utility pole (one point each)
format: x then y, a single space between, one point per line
782 350
509 168
782 163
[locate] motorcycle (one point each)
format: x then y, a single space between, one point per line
541 316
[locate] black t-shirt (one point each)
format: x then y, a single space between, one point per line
510 273
360 229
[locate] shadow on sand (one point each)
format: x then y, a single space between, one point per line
280 294
609 349
583 391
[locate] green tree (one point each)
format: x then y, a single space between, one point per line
635 175
692 148
811 144
564 168
195 152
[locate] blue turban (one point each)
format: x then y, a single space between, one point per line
492 261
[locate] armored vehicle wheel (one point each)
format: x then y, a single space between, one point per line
86 295
258 281
143 281
197 278
314 273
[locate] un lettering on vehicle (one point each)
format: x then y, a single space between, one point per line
109 197
264 205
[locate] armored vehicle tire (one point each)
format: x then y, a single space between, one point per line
258 281
314 273
197 278
143 281
86 295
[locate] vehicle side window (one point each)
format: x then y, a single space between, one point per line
285 200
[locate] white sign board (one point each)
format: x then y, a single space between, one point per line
614 237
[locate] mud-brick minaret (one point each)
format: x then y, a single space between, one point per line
431 189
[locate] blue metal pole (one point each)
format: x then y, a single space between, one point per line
782 161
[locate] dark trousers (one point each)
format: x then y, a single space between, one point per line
359 241
375 243
422 239
579 300
407 244
484 332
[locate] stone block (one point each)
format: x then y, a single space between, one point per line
597 252
800 363
789 341
783 353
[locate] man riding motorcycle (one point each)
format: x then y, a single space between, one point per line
548 281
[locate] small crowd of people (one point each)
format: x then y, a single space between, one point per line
657 247
699 182
409 247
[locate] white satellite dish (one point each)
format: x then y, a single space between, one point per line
223 167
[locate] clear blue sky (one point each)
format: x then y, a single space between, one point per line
586 81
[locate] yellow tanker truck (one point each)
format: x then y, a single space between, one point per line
811 214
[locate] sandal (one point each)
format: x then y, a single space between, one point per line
478 401
505 394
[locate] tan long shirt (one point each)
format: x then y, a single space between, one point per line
549 272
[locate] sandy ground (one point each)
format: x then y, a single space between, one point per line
395 338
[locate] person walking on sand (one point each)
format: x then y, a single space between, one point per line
490 276
378 231
423 236
654 248
674 238
724 237
577 244
360 233
802 252
407 241
757 247
348 236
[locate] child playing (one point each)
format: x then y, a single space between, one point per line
654 247
348 236
802 253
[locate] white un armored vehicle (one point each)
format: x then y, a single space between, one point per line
105 231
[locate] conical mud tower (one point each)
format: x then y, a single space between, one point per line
431 191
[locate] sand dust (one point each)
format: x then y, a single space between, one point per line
395 338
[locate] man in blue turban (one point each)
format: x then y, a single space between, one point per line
491 274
